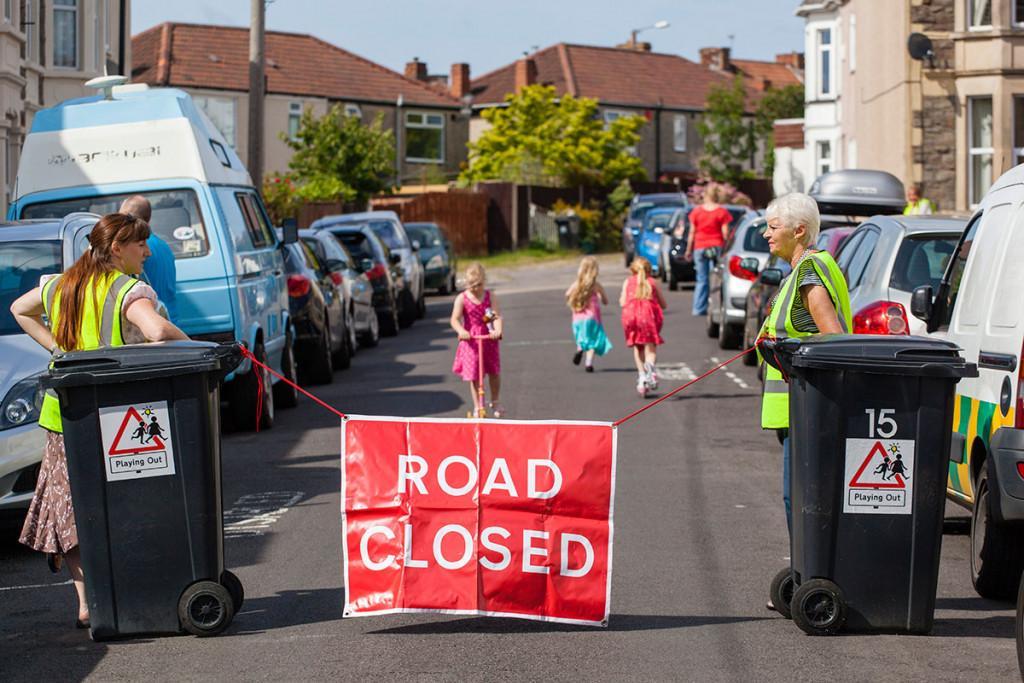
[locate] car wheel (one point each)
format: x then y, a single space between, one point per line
673 281
342 358
319 369
407 309
421 307
353 338
996 550
444 288
389 320
750 359
371 337
710 326
729 336
245 395
285 395
1020 628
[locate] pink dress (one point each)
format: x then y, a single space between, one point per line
466 356
641 318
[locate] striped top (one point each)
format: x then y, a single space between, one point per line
802 320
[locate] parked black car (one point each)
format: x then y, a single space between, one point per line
382 268
317 308
436 254
344 271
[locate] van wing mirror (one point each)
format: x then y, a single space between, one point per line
921 302
771 276
290 231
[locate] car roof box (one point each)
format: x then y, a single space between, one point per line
858 192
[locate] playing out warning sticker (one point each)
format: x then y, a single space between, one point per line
879 476
137 441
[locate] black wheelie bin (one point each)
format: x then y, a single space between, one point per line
870 424
142 437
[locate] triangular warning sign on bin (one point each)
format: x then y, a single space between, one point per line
131 416
896 482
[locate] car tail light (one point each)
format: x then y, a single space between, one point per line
881 317
1020 469
739 271
1018 420
377 272
298 285
337 278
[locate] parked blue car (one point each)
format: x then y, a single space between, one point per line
90 154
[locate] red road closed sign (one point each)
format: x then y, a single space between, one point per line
502 518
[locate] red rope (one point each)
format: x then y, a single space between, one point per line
248 354
678 389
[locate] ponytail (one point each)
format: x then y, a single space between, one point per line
641 267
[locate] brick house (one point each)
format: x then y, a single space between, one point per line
303 72
666 89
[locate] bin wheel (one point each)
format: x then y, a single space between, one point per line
234 586
205 608
781 592
818 607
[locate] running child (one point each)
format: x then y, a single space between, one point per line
476 314
585 297
642 317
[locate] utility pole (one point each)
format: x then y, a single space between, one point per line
257 91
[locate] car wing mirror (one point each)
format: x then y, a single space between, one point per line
750 264
365 265
771 276
921 302
290 232
396 259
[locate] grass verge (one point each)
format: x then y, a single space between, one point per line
522 257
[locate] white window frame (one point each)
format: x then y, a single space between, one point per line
823 164
977 151
609 115
424 124
352 109
73 10
678 119
8 11
29 28
1018 145
970 17
294 114
821 49
99 19
853 43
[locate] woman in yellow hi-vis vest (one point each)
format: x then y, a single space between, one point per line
96 303
812 299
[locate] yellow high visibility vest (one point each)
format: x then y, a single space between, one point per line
779 325
101 326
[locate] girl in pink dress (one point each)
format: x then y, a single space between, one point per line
642 317
476 314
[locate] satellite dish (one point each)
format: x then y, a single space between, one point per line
920 46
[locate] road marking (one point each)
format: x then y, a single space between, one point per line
255 513
675 371
715 360
35 585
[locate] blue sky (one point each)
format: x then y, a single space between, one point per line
489 34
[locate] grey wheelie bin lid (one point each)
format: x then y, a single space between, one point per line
135 362
874 354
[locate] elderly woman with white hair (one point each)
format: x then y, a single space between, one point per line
813 299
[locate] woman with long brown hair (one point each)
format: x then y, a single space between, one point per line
96 303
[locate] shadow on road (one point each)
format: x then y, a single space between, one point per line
973 604
289 608
616 623
988 627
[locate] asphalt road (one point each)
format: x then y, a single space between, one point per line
699 533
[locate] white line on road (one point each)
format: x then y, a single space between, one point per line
675 371
253 514
34 585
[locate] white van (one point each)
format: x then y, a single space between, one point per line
979 305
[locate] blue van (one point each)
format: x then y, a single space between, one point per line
90 154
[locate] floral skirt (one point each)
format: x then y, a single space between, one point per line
50 522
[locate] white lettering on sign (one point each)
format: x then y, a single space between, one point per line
413 469
137 441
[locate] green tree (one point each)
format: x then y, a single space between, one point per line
777 103
336 157
541 139
728 136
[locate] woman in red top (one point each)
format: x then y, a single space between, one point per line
709 227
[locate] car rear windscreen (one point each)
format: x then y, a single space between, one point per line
754 239
176 217
922 260
357 245
21 266
389 234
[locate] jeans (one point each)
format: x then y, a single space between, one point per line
785 484
702 266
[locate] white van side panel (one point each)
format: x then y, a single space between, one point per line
1008 285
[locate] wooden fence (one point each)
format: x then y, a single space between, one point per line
463 215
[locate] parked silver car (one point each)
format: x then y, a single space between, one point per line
885 259
742 258
28 250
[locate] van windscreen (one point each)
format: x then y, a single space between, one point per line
176 218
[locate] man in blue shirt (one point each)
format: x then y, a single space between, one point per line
159 268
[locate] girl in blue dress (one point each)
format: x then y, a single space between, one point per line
585 297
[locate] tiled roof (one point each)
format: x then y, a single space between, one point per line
772 74
217 58
609 75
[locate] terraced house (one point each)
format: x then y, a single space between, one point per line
303 72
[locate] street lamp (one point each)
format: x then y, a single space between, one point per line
658 24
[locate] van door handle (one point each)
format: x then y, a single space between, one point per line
997 361
277 273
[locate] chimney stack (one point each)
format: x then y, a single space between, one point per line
716 58
416 70
791 59
526 73
458 82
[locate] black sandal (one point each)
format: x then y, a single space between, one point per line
54 561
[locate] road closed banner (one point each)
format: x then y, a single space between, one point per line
497 518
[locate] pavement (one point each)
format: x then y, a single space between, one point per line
699 532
